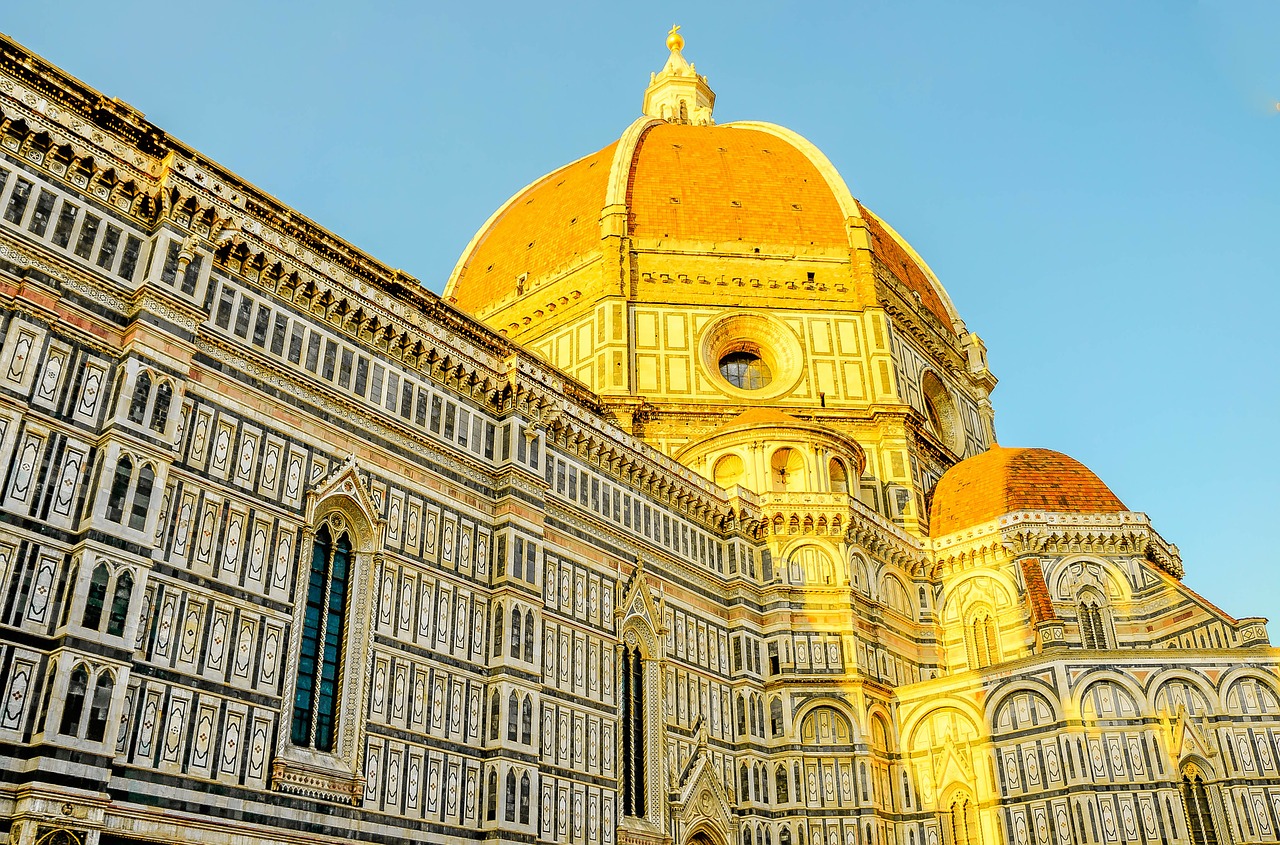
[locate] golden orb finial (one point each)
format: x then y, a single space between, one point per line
675 41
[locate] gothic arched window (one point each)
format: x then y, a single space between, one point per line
498 625
1093 631
119 488
515 631
119 604
96 598
495 718
511 797
526 721
983 647
528 636
141 395
99 707
73 704
491 809
781 788
513 717
524 798
962 821
142 498
633 750
160 413
1199 815
319 660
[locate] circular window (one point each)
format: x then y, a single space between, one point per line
745 370
750 355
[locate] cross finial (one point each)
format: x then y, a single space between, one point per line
675 41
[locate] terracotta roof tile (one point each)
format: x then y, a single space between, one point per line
1002 480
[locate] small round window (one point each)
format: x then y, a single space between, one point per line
745 370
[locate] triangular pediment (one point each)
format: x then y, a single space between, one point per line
637 608
699 801
1186 739
348 490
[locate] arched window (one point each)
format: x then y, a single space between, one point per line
160 413
744 783
142 498
1093 633
784 836
141 394
728 471
528 636
775 716
763 782
526 721
524 798
633 748
742 715
495 717
498 625
315 716
515 631
983 647
97 597
839 477
511 797
73 704
962 821
119 604
119 488
513 717
781 788
825 726
1199 815
491 810
100 707
786 470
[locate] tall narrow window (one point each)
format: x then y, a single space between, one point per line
1092 632
839 478
99 708
983 650
1199 815
141 395
142 498
513 717
97 597
160 413
963 822
498 625
119 489
320 658
515 632
495 717
491 809
73 705
119 605
526 721
528 636
524 798
633 752
781 790
511 797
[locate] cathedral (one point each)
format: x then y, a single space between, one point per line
679 519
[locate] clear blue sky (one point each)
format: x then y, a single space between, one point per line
1096 183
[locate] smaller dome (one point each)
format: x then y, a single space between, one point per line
1000 481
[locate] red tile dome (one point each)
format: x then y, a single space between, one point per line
1002 480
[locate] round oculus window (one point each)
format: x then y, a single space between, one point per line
745 370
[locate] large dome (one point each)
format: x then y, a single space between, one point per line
741 188
1002 480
